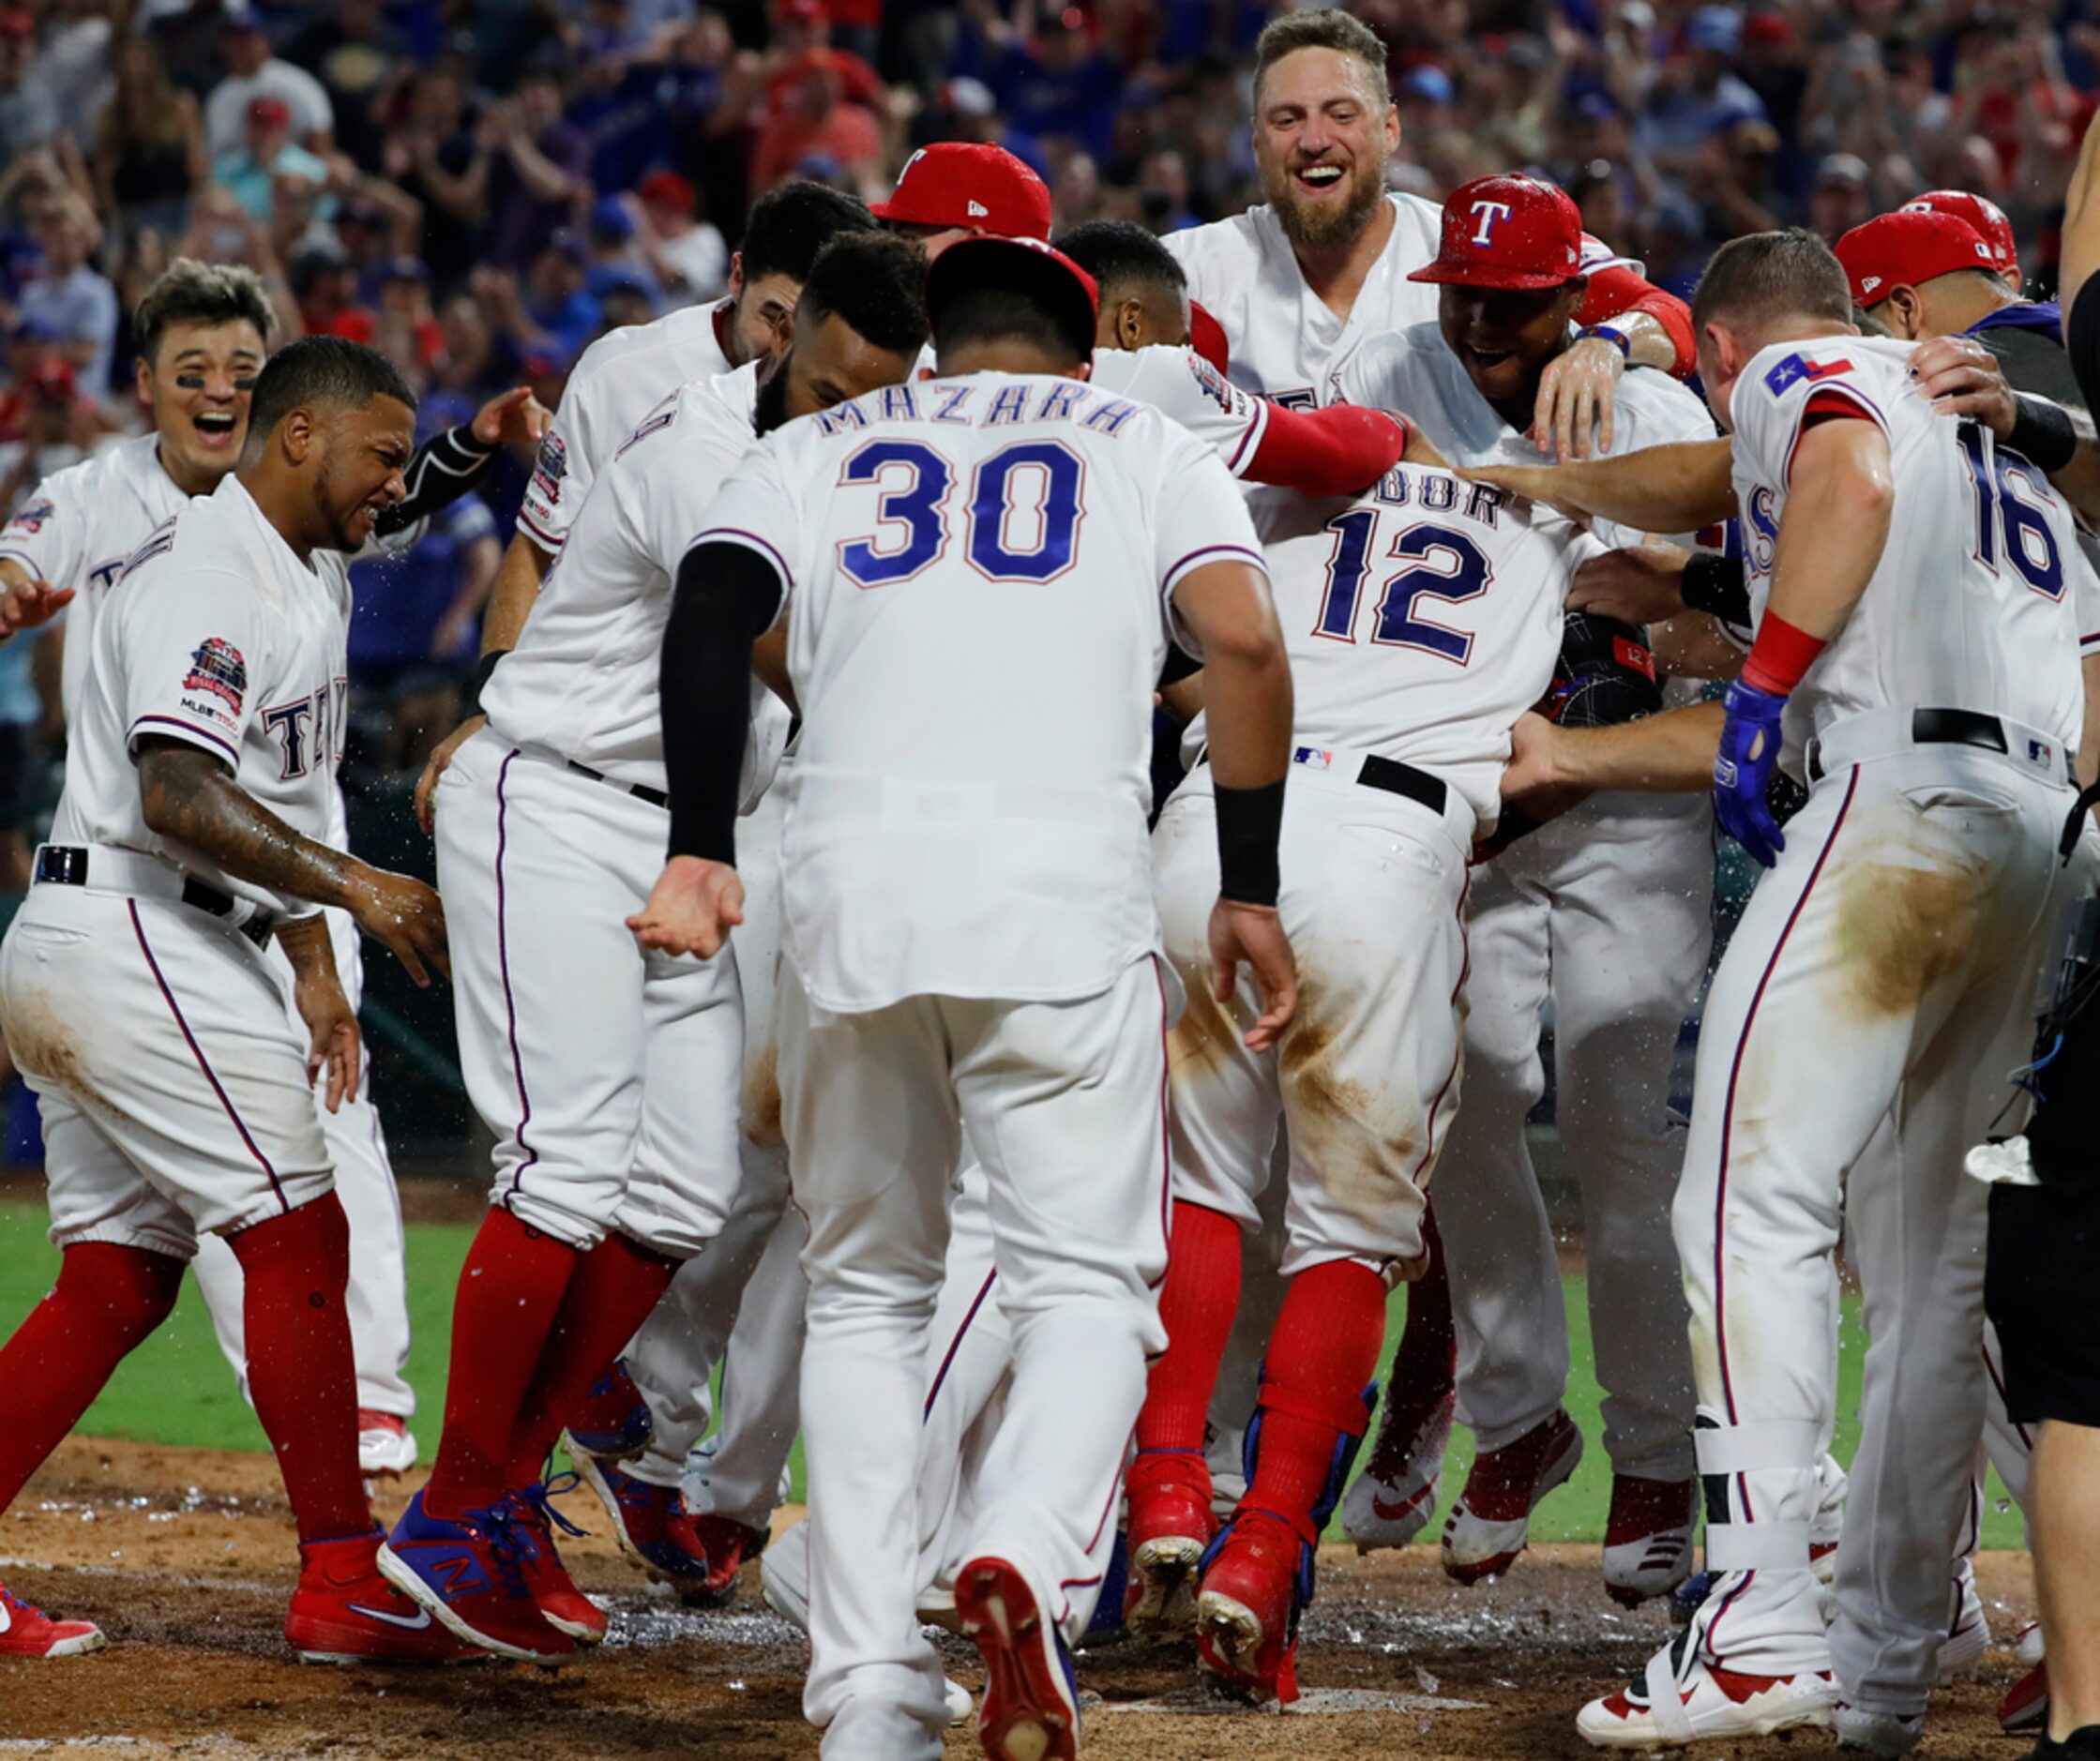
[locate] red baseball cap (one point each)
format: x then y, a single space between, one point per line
1508 231
1981 211
969 183
1906 248
668 189
270 112
53 381
1026 266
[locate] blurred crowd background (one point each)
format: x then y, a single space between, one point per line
481 187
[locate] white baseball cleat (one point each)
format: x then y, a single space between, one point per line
1672 1707
1491 1523
962 1703
1395 1497
386 1445
1969 1632
1648 1538
1889 1734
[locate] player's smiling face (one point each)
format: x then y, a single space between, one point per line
1504 338
1322 139
198 387
830 363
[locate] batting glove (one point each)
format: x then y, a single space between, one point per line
1744 765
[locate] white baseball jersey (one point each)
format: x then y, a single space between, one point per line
617 381
1423 618
980 571
1973 604
78 527
1284 338
1181 384
216 635
581 683
1413 373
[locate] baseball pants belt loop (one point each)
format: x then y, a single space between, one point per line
1879 734
103 869
1757 1546
641 791
1749 1449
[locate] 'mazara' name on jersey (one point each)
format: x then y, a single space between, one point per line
963 403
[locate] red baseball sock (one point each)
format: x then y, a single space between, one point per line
1197 1303
614 1287
510 1289
1323 1351
301 1374
108 1299
1429 1352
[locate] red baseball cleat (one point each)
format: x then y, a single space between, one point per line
1490 1523
651 1526
344 1612
613 1421
1247 1628
27 1631
1031 1710
1648 1537
1170 1524
470 1572
566 1608
386 1445
2025 1707
1395 1495
729 1546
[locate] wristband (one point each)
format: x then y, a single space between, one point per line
2042 432
1780 657
1250 826
483 670
1715 583
1606 333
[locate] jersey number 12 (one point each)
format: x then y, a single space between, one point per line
1437 562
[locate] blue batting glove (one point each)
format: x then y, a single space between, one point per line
1744 765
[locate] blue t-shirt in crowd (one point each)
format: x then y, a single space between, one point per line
399 599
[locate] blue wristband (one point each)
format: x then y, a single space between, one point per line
1605 332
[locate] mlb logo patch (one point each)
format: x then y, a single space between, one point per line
1313 756
2041 752
550 468
217 669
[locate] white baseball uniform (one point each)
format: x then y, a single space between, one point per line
969 940
76 530
150 1025
1423 618
609 1077
1884 969
1609 911
616 383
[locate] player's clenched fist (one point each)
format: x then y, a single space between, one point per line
1254 934
406 915
691 909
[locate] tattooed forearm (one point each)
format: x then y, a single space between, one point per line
186 796
306 944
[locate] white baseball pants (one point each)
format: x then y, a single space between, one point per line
1065 1103
609 1077
1609 912
1886 968
1368 1075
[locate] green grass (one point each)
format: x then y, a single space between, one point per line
176 1389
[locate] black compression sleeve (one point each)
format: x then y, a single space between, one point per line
2081 336
2043 432
443 468
1716 584
727 596
1250 826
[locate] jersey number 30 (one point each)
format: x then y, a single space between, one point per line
1021 519
1438 562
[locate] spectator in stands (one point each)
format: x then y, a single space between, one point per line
535 166
27 116
689 255
1840 199
268 152
436 158
254 72
1695 96
810 118
68 296
149 158
1046 72
325 285
404 311
356 54
58 426
617 259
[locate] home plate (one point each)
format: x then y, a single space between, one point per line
1313 1701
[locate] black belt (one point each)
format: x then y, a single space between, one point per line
1937 728
641 791
65 866
1390 775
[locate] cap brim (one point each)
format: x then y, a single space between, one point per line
1491 276
905 215
1002 266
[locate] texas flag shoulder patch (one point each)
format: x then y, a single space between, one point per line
1797 369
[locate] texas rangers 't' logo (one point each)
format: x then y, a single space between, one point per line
1484 216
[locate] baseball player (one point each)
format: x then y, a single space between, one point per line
1300 279
202 332
1606 910
609 1079
178 1097
969 935
1916 653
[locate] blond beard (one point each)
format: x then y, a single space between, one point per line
1327 230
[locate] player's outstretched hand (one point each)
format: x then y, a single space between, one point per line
516 418
691 909
1254 934
406 915
1534 483
1958 376
441 762
336 1044
1643 585
27 604
1748 754
1575 394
